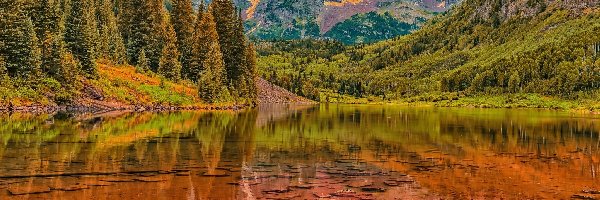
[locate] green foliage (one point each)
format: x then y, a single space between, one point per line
165 95
81 35
111 45
69 72
233 45
20 50
201 42
51 49
368 28
211 81
169 66
46 17
182 17
231 40
250 71
143 27
551 52
209 88
143 65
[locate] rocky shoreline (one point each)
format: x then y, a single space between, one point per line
100 108
94 102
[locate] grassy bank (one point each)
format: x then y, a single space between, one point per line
585 104
116 86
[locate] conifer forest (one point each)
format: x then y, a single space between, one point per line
58 51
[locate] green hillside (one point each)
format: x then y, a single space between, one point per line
539 52
368 28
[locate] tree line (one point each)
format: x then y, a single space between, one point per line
66 39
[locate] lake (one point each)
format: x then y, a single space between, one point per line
302 152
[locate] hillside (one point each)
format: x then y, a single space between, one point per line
83 54
123 88
518 54
274 19
117 87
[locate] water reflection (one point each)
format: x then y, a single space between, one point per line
304 152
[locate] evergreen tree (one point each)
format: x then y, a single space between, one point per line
514 82
20 49
81 35
143 65
182 18
46 17
251 73
102 50
111 44
52 51
158 32
169 66
199 46
211 81
135 26
145 29
126 13
69 71
3 72
34 71
232 45
49 20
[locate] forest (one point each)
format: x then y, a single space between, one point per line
545 55
58 51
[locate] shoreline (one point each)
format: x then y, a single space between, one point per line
39 109
103 107
587 105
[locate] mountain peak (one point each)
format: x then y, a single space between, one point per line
276 19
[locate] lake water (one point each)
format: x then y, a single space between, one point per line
302 152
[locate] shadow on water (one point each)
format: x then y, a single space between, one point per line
303 152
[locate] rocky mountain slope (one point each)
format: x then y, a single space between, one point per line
273 94
297 19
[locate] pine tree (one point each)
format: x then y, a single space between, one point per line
69 71
251 73
81 35
103 49
135 23
3 72
199 46
145 29
46 16
52 51
169 66
117 46
125 17
211 81
34 71
111 45
20 49
143 65
182 17
232 46
158 32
